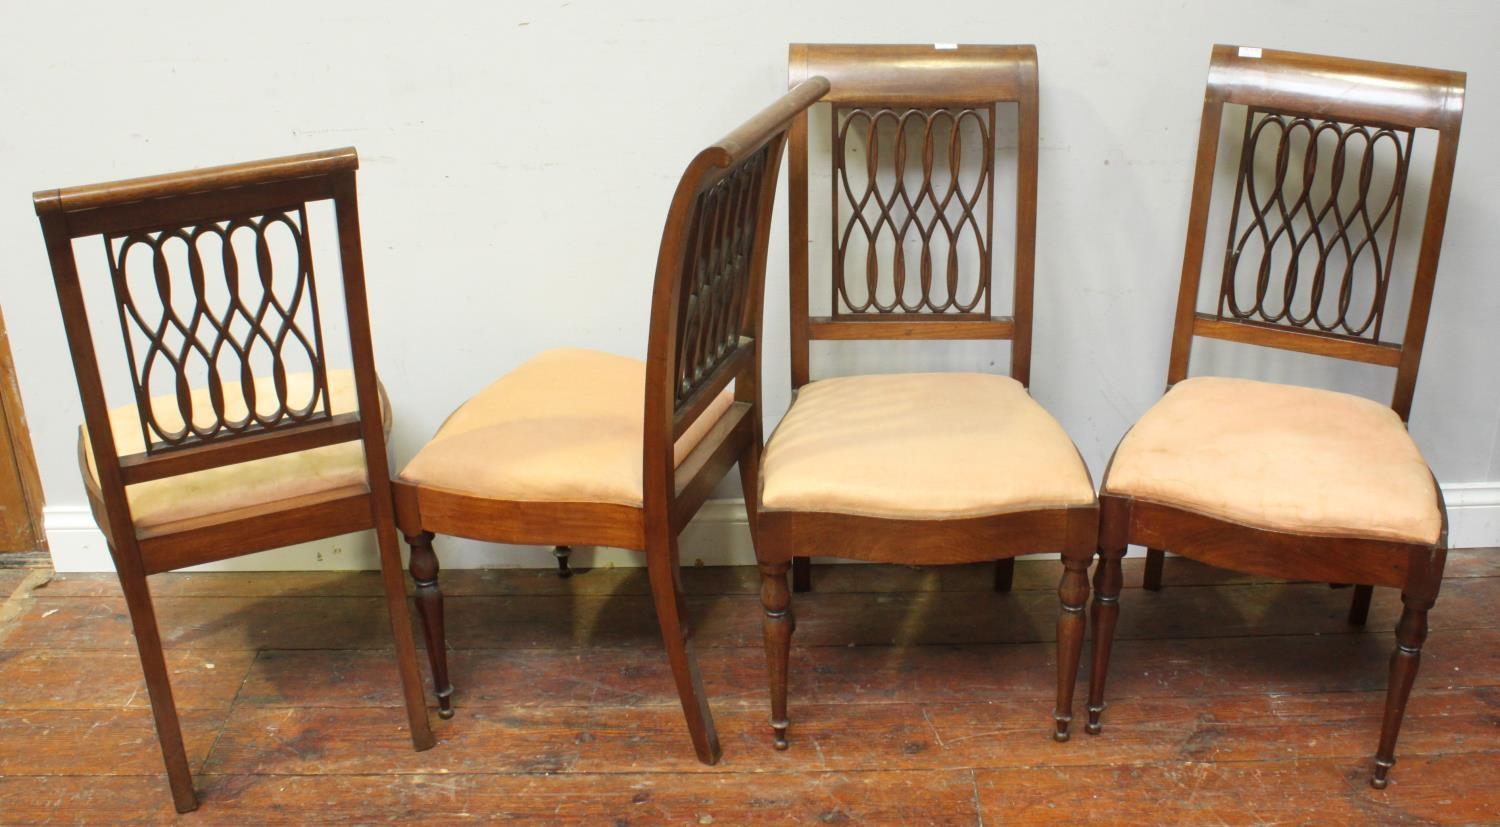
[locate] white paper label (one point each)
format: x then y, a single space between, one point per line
945 47
1250 52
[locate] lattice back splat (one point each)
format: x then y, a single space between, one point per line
1313 230
913 196
232 309
1325 153
912 160
717 272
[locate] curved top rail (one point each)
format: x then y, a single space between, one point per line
751 135
918 73
249 173
1337 88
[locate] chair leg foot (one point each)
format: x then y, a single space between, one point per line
1359 607
801 574
778 735
561 553
1005 574
1093 727
1155 558
424 571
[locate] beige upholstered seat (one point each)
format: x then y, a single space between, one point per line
330 469
566 426
920 446
1280 457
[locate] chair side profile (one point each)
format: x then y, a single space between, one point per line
491 476
913 251
203 470
1324 160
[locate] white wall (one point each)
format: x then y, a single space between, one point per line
518 158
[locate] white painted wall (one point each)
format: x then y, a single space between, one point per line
518 158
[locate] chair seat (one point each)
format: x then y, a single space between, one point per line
1283 458
566 426
921 446
156 504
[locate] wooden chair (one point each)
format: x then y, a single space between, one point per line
1283 480
240 438
917 468
581 447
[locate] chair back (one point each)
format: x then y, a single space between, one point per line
1324 164
214 287
710 276
913 171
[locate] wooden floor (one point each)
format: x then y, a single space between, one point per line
918 696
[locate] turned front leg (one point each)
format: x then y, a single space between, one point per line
1411 632
777 627
424 572
1073 591
1107 583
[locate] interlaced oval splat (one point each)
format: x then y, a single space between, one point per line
215 305
716 274
1323 201
915 229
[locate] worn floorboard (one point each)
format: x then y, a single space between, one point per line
918 696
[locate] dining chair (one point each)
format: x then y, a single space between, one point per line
1283 480
239 435
917 468
579 447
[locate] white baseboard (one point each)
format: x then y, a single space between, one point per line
1473 514
718 536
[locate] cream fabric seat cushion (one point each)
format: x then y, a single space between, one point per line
1280 457
331 468
568 425
921 446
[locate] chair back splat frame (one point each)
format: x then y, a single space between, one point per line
1298 253
1356 105
913 86
204 212
938 103
705 333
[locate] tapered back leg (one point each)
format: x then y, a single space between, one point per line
158 686
671 614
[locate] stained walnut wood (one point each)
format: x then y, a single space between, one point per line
1347 103
704 335
188 207
20 483
898 87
